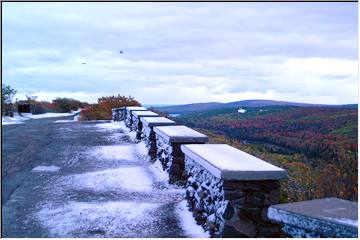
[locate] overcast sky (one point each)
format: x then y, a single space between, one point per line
183 52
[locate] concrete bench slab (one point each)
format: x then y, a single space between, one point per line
168 141
181 134
329 217
229 163
148 134
230 190
136 115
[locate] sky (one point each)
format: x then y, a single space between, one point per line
177 53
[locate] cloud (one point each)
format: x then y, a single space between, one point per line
188 52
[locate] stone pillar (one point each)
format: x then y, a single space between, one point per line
168 144
137 124
148 134
229 191
118 114
129 110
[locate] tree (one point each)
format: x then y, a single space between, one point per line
7 94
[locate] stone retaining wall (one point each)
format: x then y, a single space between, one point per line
225 206
231 208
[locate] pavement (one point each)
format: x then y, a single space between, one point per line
85 179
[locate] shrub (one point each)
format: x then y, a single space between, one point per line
67 104
102 109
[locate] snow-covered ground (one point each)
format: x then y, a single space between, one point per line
17 119
114 191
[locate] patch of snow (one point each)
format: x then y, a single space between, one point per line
108 125
225 161
158 172
76 117
346 221
177 131
97 219
129 178
264 110
142 149
112 126
188 223
63 121
132 136
241 110
45 169
49 115
113 152
17 119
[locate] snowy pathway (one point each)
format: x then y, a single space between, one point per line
104 188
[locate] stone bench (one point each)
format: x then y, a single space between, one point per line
118 114
148 134
329 217
168 142
129 110
137 124
229 191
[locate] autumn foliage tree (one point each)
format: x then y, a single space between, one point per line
102 109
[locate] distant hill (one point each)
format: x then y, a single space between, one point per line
195 107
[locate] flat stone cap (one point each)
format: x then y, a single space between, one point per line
180 134
229 163
144 113
129 109
119 108
156 121
330 216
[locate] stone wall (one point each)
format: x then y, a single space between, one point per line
228 207
149 138
231 208
118 114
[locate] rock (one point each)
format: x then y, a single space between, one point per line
242 227
229 212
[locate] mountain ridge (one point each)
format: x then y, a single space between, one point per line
195 107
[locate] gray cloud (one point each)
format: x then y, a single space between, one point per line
195 52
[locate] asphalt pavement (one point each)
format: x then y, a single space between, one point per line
85 179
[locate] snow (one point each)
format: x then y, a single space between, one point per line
102 219
111 126
150 121
17 119
178 131
144 113
159 173
345 221
132 136
226 162
63 121
142 149
188 223
241 110
49 115
135 108
45 169
113 152
118 179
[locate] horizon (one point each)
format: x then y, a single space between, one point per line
211 52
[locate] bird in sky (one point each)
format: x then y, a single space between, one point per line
121 52
83 63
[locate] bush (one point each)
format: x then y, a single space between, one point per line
102 109
67 104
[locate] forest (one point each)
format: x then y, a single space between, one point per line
316 145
